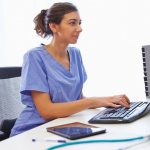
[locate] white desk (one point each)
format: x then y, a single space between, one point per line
129 130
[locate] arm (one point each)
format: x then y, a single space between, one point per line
49 110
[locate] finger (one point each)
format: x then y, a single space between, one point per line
127 98
123 102
113 105
124 96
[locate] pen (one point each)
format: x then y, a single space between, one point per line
48 140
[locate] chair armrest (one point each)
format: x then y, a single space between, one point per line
2 136
6 126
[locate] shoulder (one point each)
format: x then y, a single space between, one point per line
35 53
74 51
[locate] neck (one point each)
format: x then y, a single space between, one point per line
57 49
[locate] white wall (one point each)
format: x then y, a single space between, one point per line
113 33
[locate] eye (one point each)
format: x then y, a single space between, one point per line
73 23
80 22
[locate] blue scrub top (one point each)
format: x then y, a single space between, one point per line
42 72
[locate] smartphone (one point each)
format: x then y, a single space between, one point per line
76 130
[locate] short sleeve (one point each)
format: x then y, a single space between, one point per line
33 75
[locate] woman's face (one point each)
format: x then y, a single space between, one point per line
69 29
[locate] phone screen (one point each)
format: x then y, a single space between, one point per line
76 130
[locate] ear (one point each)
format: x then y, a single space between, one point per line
53 27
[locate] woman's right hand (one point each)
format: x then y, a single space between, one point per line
112 101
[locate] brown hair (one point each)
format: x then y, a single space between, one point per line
52 15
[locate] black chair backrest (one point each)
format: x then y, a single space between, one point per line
9 72
10 103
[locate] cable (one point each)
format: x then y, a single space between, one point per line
135 144
98 141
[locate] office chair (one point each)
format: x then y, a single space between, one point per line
10 103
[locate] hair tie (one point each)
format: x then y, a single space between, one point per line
43 11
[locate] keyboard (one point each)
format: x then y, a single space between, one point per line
122 114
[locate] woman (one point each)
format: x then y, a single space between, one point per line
53 75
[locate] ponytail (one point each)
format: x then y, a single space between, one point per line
41 25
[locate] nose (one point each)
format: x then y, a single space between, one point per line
79 29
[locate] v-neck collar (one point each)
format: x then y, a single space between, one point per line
61 66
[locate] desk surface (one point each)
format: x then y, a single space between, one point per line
114 131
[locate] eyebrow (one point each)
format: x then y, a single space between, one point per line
74 20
